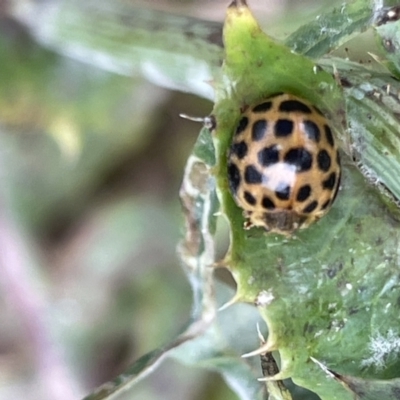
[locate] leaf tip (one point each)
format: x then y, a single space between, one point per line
229 303
280 376
264 348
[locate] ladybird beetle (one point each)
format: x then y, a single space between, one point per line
283 164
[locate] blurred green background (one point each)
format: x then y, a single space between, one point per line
90 166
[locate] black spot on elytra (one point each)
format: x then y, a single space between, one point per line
299 157
268 156
294 106
312 131
329 136
283 128
330 182
250 198
336 190
240 149
311 207
304 193
282 191
251 175
258 129
325 205
323 160
233 177
263 107
267 203
242 125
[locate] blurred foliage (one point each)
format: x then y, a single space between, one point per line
90 175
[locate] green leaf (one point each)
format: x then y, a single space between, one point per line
330 30
323 291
